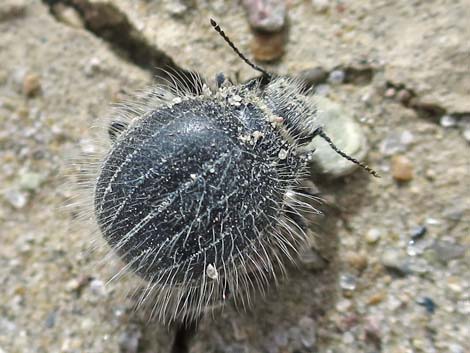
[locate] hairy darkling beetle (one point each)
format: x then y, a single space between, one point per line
200 192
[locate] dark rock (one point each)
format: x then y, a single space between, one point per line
428 304
418 232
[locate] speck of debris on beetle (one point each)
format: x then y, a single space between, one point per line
257 135
211 272
235 100
282 154
276 119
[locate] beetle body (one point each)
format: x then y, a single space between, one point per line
195 194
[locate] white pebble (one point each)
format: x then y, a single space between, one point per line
373 235
336 77
466 135
448 121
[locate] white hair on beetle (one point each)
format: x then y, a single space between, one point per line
245 271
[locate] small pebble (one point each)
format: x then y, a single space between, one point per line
76 284
343 305
336 77
428 303
406 137
266 15
376 298
97 287
30 181
87 324
347 282
394 261
390 92
176 8
404 96
341 127
402 169
373 235
466 135
92 66
418 232
16 198
267 46
448 121
432 221
51 319
31 85
396 142
357 261
72 285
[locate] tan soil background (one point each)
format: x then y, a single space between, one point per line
58 76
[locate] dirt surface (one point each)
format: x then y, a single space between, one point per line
407 81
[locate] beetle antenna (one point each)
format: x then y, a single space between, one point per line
235 49
319 132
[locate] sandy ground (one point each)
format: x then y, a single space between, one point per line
377 292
